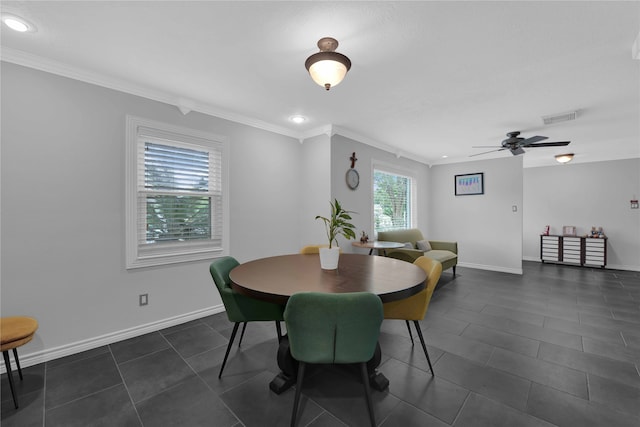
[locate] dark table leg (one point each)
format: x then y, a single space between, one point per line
377 380
289 368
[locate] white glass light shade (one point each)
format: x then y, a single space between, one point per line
327 67
328 72
564 158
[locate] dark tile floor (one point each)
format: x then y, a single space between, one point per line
558 345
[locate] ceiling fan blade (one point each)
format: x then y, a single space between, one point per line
486 146
487 152
533 139
550 144
517 151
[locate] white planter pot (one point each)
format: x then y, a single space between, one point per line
329 258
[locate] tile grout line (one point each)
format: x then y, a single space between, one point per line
84 396
124 384
44 396
218 396
466 399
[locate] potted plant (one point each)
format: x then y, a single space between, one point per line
337 224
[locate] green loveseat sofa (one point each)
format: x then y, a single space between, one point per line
445 252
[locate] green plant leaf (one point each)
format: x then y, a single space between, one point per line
337 224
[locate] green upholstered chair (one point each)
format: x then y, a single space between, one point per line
333 328
415 307
241 308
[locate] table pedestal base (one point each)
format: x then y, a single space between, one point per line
378 381
289 370
281 383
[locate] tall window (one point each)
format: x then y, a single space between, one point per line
176 198
393 200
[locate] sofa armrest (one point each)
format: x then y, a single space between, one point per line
409 255
444 246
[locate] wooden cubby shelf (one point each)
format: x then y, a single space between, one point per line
584 251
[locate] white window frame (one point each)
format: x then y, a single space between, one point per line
390 168
137 255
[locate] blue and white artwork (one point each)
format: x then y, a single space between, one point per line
472 183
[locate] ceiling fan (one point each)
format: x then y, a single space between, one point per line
515 144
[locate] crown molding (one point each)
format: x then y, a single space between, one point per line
379 145
185 106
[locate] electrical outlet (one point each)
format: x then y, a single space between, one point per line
143 299
634 204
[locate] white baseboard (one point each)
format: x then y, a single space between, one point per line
491 268
623 267
46 355
609 266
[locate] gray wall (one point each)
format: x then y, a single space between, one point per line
488 232
316 189
585 195
360 200
62 187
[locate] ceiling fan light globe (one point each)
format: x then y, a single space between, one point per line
564 158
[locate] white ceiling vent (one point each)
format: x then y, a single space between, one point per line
560 117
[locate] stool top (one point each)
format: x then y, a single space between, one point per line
16 328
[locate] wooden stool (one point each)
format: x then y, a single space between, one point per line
14 332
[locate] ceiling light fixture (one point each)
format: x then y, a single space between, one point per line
298 119
564 158
17 24
327 67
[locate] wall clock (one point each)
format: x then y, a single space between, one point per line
352 176
353 179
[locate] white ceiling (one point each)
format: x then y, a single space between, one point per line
428 79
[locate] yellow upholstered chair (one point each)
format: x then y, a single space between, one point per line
415 307
313 249
14 332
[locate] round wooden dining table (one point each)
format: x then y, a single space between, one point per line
276 278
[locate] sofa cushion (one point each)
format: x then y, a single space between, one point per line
408 245
423 245
443 251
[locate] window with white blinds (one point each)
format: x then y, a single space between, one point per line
393 200
176 194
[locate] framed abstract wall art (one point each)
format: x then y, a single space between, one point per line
469 184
